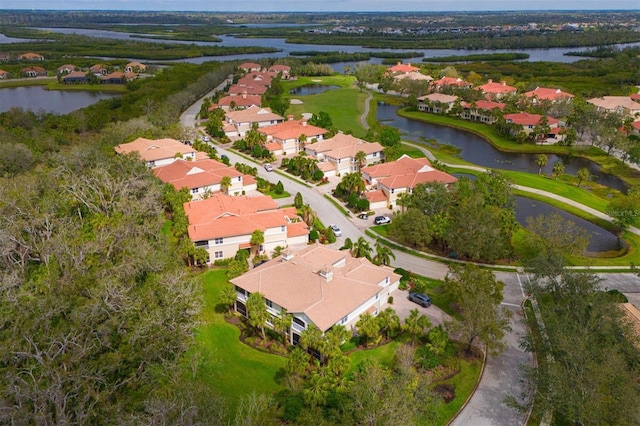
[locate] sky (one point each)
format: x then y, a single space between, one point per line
320 5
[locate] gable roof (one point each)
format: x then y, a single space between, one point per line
526 119
548 94
406 172
253 114
243 100
343 146
195 174
238 89
497 88
155 149
612 103
296 283
249 66
484 105
402 68
438 97
292 129
285 69
452 81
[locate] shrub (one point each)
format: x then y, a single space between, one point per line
390 300
222 262
318 175
362 204
402 272
313 235
279 188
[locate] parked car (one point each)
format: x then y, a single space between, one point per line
268 167
364 216
380 220
336 231
206 138
420 299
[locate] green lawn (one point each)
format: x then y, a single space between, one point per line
345 105
231 367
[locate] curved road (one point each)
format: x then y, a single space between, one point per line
501 374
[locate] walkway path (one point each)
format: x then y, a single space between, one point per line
501 374
365 113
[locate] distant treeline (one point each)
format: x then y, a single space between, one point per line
388 55
479 58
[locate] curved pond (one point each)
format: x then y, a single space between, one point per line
37 99
601 240
478 151
312 89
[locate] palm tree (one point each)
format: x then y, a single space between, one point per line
282 324
257 311
361 159
308 215
361 248
558 168
383 255
541 161
368 327
312 338
583 174
225 184
388 321
257 239
228 297
318 389
415 324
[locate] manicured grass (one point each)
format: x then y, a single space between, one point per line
344 105
232 368
464 382
275 196
384 354
19 82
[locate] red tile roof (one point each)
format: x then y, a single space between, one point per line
195 174
293 129
484 105
526 119
402 68
547 94
497 88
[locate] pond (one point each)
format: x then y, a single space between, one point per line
601 240
478 151
312 89
38 99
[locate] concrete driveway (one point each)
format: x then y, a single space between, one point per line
404 306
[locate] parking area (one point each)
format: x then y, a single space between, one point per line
404 306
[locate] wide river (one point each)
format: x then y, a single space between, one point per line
37 99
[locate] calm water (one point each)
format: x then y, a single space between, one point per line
478 151
37 99
312 89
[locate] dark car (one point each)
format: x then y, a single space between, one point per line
379 220
420 299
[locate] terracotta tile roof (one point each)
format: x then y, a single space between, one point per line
253 90
403 68
375 196
195 174
218 204
484 105
526 119
326 166
413 179
285 69
452 81
293 129
31 56
343 146
636 125
635 97
66 68
75 74
296 284
438 97
497 88
241 100
272 146
253 114
401 166
547 94
615 102
415 76
154 150
249 66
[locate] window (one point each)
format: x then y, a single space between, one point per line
218 255
218 241
299 322
344 320
269 303
375 154
283 228
239 178
194 190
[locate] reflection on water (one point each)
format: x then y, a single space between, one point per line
37 99
478 151
312 89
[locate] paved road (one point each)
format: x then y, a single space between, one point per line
500 378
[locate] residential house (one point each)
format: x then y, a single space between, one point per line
160 152
256 79
76 77
337 155
283 70
527 122
238 90
635 128
288 137
319 286
399 177
250 66
243 120
496 91
547 94
237 102
34 72
135 67
30 56
4 75
620 104
401 68
436 102
482 110
444 82
223 224
99 69
5 57
66 69
204 177
413 76
116 77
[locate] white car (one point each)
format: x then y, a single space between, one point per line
336 231
268 167
206 138
381 220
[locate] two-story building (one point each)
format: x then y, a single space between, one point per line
481 110
319 286
160 152
437 103
395 178
289 137
337 155
547 94
527 123
243 120
204 177
223 224
496 91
